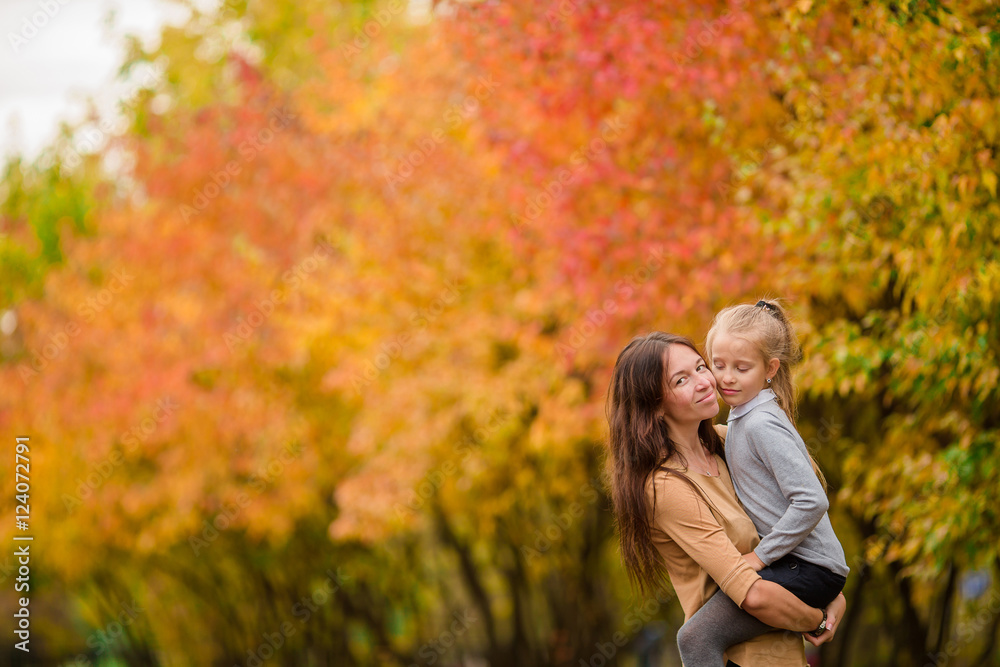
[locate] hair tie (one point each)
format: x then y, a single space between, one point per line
765 304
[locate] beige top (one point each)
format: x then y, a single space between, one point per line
701 534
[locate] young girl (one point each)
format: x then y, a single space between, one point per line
751 350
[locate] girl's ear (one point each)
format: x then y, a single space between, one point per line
772 367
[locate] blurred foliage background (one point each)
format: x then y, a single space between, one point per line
313 350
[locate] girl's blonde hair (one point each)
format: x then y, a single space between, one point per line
765 326
768 328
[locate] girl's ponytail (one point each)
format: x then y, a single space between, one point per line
783 345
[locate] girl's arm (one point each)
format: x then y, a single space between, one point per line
779 447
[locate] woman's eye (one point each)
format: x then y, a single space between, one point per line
681 380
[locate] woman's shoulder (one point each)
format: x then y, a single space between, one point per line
661 477
672 484
678 493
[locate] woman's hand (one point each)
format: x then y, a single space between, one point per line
833 615
755 562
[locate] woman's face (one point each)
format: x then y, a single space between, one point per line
690 392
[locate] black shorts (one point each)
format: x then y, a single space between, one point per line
813 584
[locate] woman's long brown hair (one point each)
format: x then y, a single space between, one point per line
640 444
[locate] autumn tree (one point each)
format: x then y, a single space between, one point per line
334 352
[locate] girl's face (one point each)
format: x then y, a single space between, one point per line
690 392
739 368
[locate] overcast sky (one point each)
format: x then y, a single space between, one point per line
56 53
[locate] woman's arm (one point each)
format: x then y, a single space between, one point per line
834 613
684 516
778 607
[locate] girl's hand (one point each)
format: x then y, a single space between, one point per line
833 615
755 562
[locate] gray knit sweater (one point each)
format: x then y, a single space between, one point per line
775 481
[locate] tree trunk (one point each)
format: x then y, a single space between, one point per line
838 652
940 622
911 636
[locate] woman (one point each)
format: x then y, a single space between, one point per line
674 502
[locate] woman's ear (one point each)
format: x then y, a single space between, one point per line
772 367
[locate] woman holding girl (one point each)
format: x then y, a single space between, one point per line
677 510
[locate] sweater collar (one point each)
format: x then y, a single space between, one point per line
764 396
